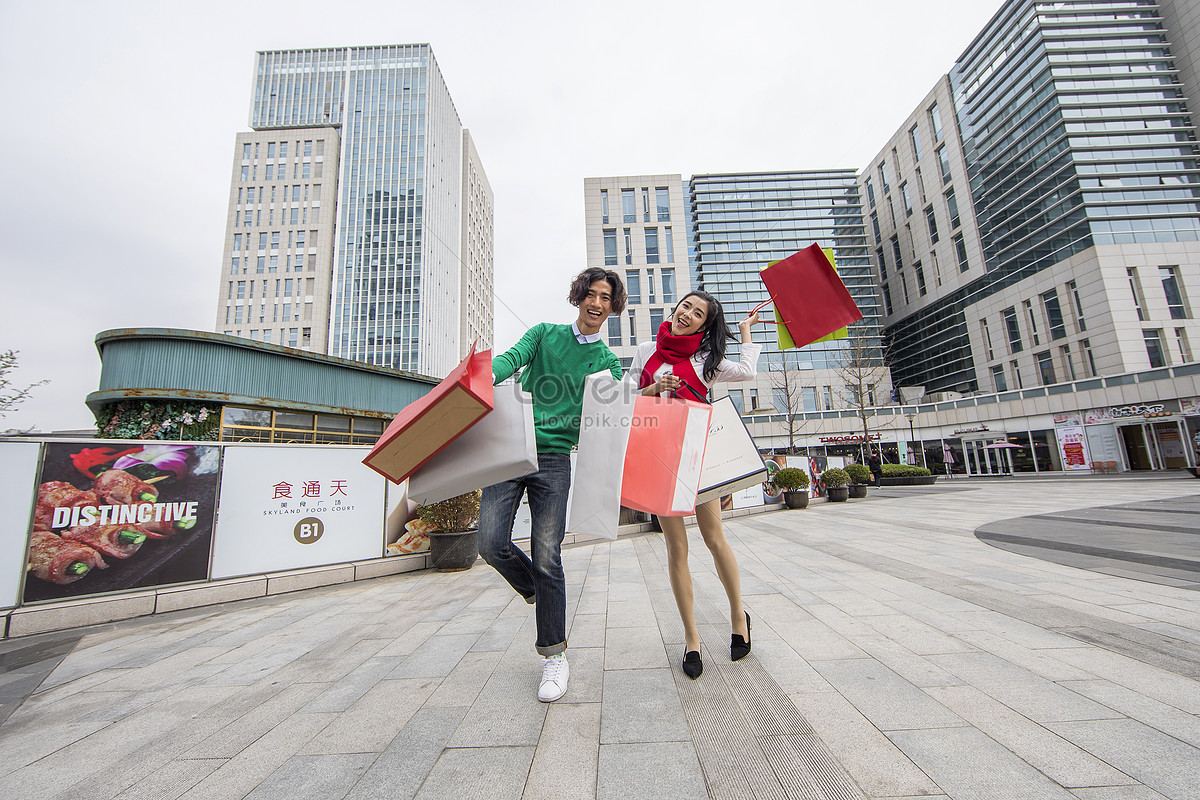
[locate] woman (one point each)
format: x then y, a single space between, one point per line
687 358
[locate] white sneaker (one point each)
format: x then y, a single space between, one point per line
555 671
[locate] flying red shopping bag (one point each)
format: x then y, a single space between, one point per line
665 455
810 298
429 423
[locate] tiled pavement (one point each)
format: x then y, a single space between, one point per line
896 655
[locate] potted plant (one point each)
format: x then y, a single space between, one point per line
836 480
794 483
454 545
860 476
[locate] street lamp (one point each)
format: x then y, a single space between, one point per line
912 436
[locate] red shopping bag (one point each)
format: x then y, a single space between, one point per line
810 298
428 424
665 455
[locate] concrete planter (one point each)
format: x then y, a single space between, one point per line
838 494
453 552
858 490
796 499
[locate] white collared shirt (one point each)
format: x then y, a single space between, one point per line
584 338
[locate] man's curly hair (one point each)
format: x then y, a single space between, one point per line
584 280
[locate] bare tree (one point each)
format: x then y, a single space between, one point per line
10 396
861 366
787 396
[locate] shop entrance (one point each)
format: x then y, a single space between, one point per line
1137 454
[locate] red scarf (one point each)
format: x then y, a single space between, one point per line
676 351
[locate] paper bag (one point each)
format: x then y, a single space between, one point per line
498 448
429 423
604 423
810 298
665 454
731 459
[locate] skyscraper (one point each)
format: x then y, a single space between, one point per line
360 219
1065 203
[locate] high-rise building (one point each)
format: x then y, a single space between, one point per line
716 233
1049 190
360 219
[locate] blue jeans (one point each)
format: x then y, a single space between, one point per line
540 580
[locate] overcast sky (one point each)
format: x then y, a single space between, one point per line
120 120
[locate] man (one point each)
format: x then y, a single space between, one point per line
556 359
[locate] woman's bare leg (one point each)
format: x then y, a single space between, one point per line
708 515
681 578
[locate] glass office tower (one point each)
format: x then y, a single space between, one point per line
742 222
411 205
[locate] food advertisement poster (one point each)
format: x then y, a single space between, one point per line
292 507
1072 446
120 515
18 470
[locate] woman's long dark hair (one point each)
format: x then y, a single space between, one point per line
716 332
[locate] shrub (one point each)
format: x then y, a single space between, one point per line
835 477
858 473
454 515
791 479
904 471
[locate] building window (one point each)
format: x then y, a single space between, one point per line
935 120
1154 348
808 395
952 208
915 135
614 331
632 328
662 201
931 222
1033 326
633 286
245 172
1016 375
944 164
998 378
610 247
736 396
246 151
645 204
904 286
656 320
1136 289
887 300
1068 363
628 211
650 286
1046 368
920 278
920 186
987 338
1054 316
960 250
875 226
828 395
1171 288
670 243
1185 349
1088 359
668 285
870 193
651 245
896 253
604 206
1014 330
883 177
1077 307
628 247
937 270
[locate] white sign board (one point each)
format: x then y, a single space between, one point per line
286 508
18 471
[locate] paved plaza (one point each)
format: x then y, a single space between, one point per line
1014 639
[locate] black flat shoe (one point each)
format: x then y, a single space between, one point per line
739 647
692 665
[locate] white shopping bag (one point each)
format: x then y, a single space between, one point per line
731 459
498 448
595 505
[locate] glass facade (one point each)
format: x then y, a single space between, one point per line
740 223
1075 133
396 254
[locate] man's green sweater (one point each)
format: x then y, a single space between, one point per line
555 366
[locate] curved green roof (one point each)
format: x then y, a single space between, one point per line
173 363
